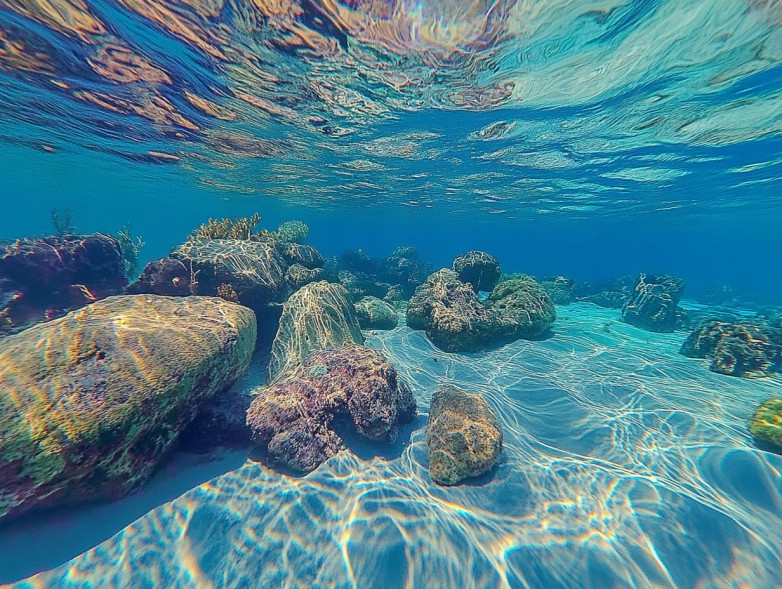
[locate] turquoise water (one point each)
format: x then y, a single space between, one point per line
592 139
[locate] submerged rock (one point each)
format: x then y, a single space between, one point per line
306 255
766 425
165 276
41 279
465 436
522 307
254 270
297 276
479 269
654 302
372 313
736 349
293 417
89 403
317 316
560 290
450 312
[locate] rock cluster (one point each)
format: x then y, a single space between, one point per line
293 418
748 349
654 303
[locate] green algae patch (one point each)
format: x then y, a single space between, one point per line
89 403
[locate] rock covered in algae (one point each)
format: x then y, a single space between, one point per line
766 425
306 255
523 308
479 269
165 276
736 349
254 269
465 436
560 290
372 313
654 302
317 316
297 276
450 312
41 279
90 402
292 418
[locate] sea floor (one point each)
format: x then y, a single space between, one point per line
624 464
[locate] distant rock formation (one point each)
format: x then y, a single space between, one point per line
465 436
748 349
654 302
89 414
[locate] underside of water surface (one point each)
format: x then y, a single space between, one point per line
251 251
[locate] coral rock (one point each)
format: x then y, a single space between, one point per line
317 316
737 349
293 416
653 303
465 437
41 279
373 313
523 308
90 402
255 270
479 269
296 253
560 290
166 276
766 425
297 276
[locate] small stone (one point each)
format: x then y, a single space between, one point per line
766 425
465 437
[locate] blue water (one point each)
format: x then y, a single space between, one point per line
587 138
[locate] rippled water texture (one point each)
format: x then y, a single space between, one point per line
587 106
624 465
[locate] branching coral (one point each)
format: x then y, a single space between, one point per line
228 228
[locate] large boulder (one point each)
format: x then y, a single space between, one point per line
292 418
654 302
737 349
522 307
372 313
479 269
90 402
41 279
450 312
319 315
465 436
255 270
164 276
297 253
298 275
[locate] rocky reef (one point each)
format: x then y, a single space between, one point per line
457 321
88 414
561 290
465 436
747 349
293 419
654 303
41 279
317 316
165 276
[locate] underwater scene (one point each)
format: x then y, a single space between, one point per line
391 294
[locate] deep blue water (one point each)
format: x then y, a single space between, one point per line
583 138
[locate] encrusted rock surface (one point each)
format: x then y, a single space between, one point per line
317 316
654 302
522 307
479 269
372 313
766 424
165 276
737 349
292 418
90 402
465 437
